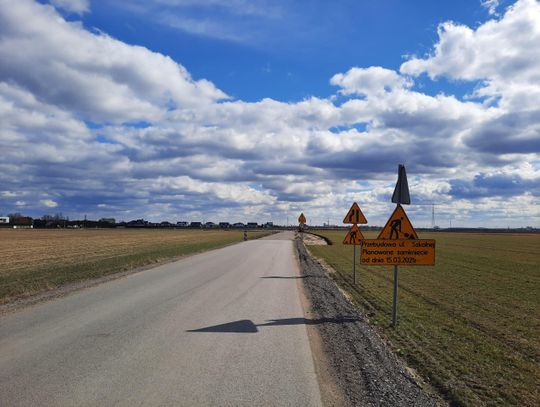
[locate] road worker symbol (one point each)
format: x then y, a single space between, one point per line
398 227
354 236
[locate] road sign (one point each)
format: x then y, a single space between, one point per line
401 192
354 236
302 219
382 252
355 215
398 226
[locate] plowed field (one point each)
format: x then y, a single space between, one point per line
38 260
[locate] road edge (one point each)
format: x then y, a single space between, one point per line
22 303
330 390
362 368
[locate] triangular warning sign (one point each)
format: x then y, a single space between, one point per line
398 226
354 236
355 215
302 218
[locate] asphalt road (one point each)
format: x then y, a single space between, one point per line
220 328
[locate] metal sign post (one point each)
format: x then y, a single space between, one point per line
354 264
400 196
394 303
398 243
354 237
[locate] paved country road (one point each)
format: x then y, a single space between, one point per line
224 327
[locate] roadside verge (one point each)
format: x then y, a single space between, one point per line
361 363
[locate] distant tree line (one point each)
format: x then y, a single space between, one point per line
59 221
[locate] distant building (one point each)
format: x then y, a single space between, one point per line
112 221
224 225
269 225
252 225
238 225
210 225
182 224
195 225
22 222
137 223
4 219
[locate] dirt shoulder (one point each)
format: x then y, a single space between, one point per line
356 357
311 239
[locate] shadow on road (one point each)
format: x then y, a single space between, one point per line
247 326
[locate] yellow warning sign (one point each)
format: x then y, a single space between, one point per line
384 252
398 226
302 219
355 215
354 236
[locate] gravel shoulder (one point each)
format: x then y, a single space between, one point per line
358 360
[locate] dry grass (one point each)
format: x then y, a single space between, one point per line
471 324
36 260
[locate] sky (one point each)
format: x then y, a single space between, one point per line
239 110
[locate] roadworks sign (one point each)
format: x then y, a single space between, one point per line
398 226
354 237
355 215
384 252
302 219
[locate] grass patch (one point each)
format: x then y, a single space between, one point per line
469 325
40 260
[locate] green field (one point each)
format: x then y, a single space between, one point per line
470 325
38 260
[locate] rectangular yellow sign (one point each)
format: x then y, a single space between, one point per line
410 252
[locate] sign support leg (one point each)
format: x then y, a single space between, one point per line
354 265
394 304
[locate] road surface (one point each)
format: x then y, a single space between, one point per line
220 328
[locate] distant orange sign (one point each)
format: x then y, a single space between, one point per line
355 215
384 252
302 219
354 237
398 226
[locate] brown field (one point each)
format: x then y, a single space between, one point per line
36 260
470 325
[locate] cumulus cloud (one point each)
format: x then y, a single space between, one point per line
369 81
488 185
97 76
503 53
200 154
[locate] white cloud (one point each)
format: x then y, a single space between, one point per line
73 6
99 77
49 203
369 81
202 156
490 5
502 53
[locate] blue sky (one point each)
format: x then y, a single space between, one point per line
281 49
237 110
